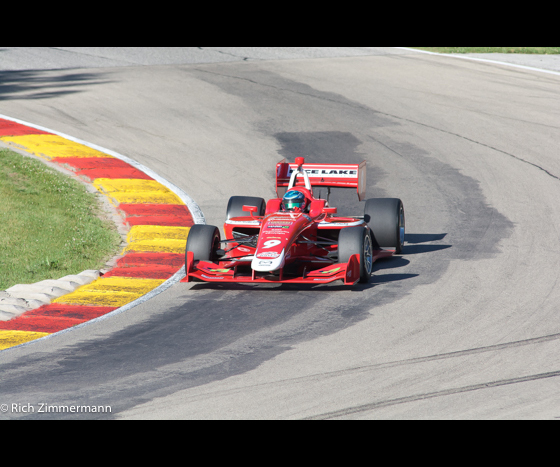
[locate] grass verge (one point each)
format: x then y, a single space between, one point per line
485 50
50 226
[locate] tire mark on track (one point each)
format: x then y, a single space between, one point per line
520 159
431 395
309 92
386 365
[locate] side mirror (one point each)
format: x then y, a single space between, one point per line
329 210
250 209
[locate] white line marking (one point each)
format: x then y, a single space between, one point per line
466 57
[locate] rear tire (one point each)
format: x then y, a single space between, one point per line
357 240
204 242
236 203
385 217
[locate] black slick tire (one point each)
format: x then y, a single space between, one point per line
356 240
385 217
203 241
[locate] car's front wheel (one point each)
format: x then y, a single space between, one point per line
204 242
357 240
385 217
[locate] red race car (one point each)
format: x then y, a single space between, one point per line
297 238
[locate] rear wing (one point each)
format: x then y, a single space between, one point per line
320 175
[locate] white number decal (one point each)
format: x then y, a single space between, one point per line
271 243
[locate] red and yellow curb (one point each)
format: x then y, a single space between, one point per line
160 222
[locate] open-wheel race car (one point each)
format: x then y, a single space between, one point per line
297 238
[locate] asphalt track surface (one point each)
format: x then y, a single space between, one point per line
464 324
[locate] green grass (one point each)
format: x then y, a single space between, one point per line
483 50
50 226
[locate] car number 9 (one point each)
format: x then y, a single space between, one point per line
271 243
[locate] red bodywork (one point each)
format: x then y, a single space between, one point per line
290 247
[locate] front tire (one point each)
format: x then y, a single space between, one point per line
385 217
204 242
357 240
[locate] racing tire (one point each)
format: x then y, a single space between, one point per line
236 203
204 242
385 217
357 240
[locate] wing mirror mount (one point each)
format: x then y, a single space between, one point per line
250 209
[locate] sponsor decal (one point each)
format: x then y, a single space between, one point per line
341 224
329 173
288 217
211 277
218 270
325 279
272 232
243 249
268 254
243 222
279 223
265 263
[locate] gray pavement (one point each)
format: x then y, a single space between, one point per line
51 58
46 58
463 325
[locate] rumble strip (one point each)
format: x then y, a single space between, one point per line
157 215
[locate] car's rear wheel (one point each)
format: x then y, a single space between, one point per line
204 242
357 240
385 217
236 203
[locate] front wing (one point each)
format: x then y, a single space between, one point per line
348 272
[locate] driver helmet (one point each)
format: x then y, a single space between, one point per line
294 199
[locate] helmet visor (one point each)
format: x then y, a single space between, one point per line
290 204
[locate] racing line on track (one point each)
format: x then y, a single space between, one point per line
159 223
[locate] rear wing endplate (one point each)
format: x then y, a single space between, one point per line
322 175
